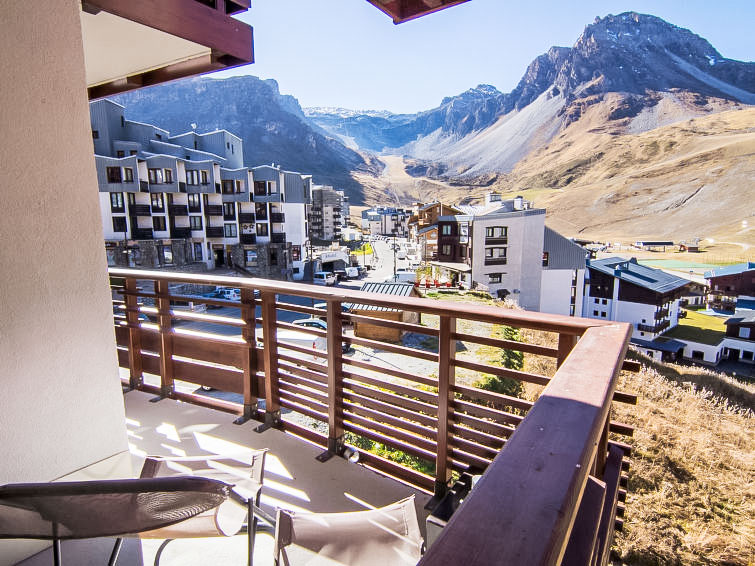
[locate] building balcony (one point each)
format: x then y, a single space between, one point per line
496 241
213 210
278 217
659 327
140 210
231 216
178 210
141 233
248 238
246 217
663 313
180 231
195 208
555 488
278 238
214 231
495 261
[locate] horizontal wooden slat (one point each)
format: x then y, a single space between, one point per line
299 388
398 325
507 344
295 405
312 312
621 428
314 332
316 380
474 448
309 364
413 477
390 409
627 398
351 426
219 378
489 427
385 347
471 460
487 412
351 408
502 372
425 396
629 365
493 397
428 381
391 398
390 432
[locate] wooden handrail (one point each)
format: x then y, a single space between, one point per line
523 509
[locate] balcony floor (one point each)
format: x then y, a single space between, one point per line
293 480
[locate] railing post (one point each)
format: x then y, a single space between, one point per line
335 369
599 464
566 343
446 382
166 339
135 378
249 363
270 353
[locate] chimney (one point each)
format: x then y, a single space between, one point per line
519 203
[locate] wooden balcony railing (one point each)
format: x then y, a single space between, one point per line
551 480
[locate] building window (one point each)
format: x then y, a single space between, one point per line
168 175
495 255
603 314
158 223
123 122
295 253
155 175
445 230
747 355
260 188
120 153
204 177
158 202
95 134
128 175
496 232
495 277
227 186
605 301
166 254
229 230
131 199
273 256
192 177
239 186
197 251
262 229
744 332
445 249
113 174
463 252
132 152
571 310
260 210
195 222
116 202
158 137
597 301
119 224
229 210
195 203
250 257
595 313
545 259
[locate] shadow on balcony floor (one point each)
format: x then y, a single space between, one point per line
293 480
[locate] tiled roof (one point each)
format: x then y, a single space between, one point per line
632 272
730 270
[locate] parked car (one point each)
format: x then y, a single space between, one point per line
340 274
320 325
324 278
402 276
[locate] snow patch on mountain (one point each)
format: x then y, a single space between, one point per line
738 93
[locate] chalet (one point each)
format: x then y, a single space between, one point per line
740 338
623 290
386 333
731 284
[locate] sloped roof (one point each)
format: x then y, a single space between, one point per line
730 270
396 289
746 319
562 252
636 274
659 345
427 229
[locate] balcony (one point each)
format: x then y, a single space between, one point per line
546 478
663 313
195 208
495 261
659 327
246 217
140 210
248 238
180 231
213 210
214 231
229 216
278 217
278 238
141 233
178 210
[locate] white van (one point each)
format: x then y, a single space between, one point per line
324 278
402 276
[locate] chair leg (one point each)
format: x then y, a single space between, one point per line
56 552
116 550
251 522
160 550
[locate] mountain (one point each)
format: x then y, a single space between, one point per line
272 126
650 72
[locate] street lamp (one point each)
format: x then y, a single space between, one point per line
393 231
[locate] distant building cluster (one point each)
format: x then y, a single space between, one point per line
187 201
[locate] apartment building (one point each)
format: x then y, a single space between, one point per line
732 287
623 290
327 216
423 227
505 248
188 200
386 221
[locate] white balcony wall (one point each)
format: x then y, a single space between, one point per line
62 403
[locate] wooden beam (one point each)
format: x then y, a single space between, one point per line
446 384
335 378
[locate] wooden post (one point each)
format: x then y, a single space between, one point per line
270 353
135 378
599 464
566 343
248 309
446 382
335 372
166 339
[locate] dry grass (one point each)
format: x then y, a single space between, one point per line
691 494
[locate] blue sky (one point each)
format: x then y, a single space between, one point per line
347 53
